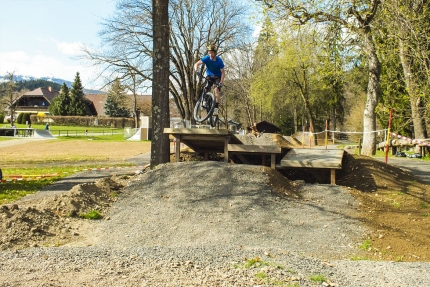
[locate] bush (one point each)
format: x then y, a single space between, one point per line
19 118
86 121
26 118
1 118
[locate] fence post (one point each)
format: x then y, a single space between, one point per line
359 147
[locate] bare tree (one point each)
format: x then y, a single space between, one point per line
8 96
129 48
222 23
127 39
357 18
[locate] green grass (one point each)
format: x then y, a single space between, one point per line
93 214
255 262
366 244
13 190
318 278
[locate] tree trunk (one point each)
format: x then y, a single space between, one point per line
417 106
160 145
369 118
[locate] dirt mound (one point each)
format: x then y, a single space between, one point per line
393 204
56 219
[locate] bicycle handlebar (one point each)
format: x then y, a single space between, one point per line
219 85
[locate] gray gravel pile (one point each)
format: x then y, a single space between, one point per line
216 224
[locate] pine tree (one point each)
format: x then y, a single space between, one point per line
78 106
61 103
115 105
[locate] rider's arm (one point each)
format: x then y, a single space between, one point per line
197 64
222 75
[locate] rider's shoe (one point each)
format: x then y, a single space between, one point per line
215 113
204 104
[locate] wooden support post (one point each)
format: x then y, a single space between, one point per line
206 155
226 140
359 147
333 176
273 161
178 148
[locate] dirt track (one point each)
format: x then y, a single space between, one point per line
393 202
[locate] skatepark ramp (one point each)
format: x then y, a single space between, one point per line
45 134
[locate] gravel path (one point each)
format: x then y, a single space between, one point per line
202 223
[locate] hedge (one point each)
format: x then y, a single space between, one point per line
84 121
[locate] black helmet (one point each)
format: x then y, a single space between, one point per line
211 47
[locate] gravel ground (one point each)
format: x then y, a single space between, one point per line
215 224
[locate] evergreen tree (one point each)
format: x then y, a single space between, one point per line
61 103
78 106
115 105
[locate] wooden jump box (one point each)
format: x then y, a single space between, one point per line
262 150
314 158
223 141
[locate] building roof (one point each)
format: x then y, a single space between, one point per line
49 94
98 102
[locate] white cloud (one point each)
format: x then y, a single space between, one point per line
41 65
74 48
9 62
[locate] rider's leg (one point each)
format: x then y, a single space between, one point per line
217 95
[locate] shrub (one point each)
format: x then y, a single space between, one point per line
86 121
26 118
19 118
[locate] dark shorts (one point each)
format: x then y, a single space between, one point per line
215 80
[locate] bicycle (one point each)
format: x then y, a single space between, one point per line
205 105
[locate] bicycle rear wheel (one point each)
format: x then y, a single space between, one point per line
204 107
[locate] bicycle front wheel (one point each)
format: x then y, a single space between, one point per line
204 107
213 120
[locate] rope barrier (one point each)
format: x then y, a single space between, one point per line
41 176
411 140
316 133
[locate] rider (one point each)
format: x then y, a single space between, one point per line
215 72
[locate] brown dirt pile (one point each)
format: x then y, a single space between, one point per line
56 220
394 204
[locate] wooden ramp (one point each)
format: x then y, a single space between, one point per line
223 141
314 158
202 140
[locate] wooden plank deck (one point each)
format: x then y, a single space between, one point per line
314 158
262 150
223 141
203 140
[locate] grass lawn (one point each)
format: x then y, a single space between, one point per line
36 165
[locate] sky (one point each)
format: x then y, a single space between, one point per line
43 37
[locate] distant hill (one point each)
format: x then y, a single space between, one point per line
31 83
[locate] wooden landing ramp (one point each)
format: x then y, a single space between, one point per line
314 158
203 140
